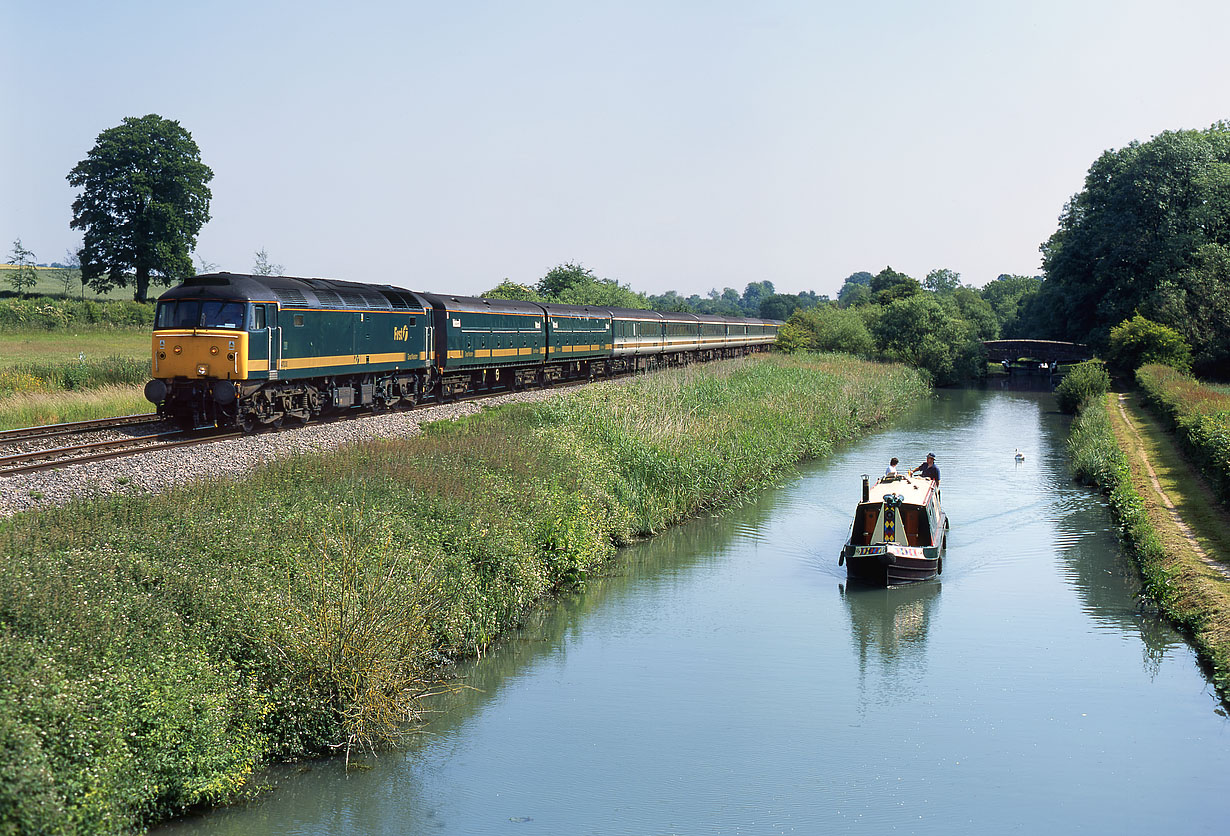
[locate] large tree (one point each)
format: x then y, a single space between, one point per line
144 198
1144 214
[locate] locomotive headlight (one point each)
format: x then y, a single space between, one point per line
178 349
202 369
213 349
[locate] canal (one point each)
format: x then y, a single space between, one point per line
724 679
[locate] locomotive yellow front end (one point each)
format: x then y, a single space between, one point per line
200 352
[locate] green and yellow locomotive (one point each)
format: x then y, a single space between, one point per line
251 351
254 350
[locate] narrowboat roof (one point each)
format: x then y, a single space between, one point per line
915 489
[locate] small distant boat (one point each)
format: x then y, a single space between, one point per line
1020 457
899 533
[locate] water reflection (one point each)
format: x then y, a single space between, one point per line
889 626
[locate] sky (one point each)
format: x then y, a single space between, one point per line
667 145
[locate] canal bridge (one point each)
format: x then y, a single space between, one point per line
1048 351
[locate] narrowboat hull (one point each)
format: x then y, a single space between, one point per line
889 564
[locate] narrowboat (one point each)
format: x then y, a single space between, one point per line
899 532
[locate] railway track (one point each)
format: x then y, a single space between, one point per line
56 457
74 427
52 458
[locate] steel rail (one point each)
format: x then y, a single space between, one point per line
23 433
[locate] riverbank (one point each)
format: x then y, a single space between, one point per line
157 649
1169 518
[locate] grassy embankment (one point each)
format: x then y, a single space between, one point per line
1173 523
154 650
69 360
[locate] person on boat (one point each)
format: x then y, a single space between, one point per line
891 472
928 470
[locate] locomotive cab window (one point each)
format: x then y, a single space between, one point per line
257 318
298 320
193 313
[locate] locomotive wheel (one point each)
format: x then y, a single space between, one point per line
247 422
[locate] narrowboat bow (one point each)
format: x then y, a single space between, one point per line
899 532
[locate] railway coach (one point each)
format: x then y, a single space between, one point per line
251 351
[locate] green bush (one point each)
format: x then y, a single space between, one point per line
1082 382
1138 341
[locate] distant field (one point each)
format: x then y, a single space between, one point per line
25 346
51 283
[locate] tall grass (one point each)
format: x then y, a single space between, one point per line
31 407
1199 415
154 650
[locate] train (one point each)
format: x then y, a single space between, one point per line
233 350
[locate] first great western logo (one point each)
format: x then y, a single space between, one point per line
402 333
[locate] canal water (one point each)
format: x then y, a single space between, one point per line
725 679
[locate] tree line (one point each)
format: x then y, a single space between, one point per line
1148 236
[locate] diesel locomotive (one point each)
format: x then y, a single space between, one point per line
252 351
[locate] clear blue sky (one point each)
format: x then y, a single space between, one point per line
669 145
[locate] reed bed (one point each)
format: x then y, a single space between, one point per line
155 650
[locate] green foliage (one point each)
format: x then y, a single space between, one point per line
969 305
1144 214
143 199
779 306
55 314
508 289
1199 414
856 290
1196 303
888 286
827 328
942 280
1081 383
1137 341
922 332
1007 295
155 650
572 284
24 276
